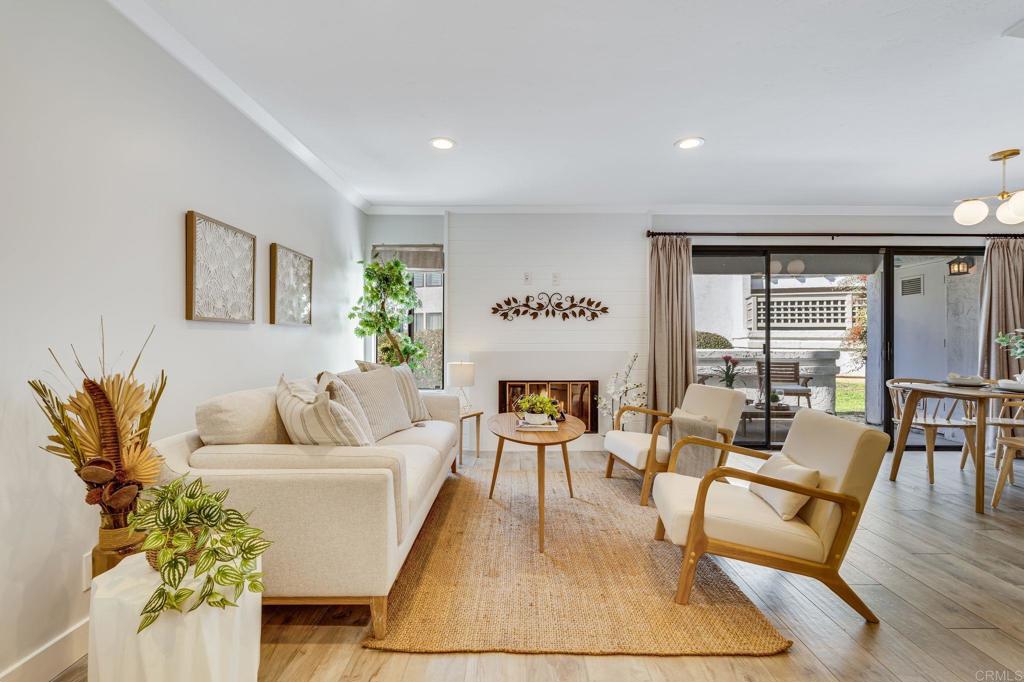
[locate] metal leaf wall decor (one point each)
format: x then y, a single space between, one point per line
550 305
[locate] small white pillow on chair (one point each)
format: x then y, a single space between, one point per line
785 503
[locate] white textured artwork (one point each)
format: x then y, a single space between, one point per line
223 271
291 286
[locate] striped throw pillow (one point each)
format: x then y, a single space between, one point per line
377 392
406 387
311 418
339 392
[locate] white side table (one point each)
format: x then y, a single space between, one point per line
206 645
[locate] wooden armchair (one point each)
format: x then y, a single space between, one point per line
706 516
648 454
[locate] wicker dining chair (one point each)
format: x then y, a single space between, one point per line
932 413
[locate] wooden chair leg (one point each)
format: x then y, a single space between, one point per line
659 530
609 466
846 593
967 452
645 491
687 573
379 616
1004 473
929 445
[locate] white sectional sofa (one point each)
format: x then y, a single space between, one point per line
342 519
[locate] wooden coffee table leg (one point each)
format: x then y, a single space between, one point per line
497 463
568 474
540 496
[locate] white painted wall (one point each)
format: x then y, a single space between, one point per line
106 142
601 256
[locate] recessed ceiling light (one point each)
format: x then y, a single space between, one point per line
442 143
690 142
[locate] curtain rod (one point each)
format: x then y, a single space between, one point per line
832 235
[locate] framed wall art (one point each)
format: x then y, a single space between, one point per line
291 286
220 271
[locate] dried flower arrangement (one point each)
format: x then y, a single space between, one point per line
103 428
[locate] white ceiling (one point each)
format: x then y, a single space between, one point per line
578 102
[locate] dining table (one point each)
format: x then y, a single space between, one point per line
980 396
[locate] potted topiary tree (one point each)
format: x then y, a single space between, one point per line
384 312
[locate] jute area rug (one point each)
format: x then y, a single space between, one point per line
474 580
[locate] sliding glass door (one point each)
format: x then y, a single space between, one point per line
729 348
793 329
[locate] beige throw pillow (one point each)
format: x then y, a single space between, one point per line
377 392
414 404
312 418
241 418
786 504
339 392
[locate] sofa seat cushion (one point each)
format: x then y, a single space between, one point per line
732 514
422 466
631 447
442 436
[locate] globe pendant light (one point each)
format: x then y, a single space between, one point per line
1010 212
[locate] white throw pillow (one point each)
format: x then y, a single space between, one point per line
312 418
377 391
785 503
241 418
339 392
414 404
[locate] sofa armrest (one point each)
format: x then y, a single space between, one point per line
176 451
334 531
441 406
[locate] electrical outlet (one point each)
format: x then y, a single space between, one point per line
556 279
86 571
527 278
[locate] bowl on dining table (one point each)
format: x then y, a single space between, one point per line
1011 385
964 381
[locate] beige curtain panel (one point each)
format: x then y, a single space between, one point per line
672 355
1002 305
415 256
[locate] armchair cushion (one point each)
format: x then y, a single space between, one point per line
732 514
785 503
631 447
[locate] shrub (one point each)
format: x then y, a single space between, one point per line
711 340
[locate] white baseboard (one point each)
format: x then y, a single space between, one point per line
52 658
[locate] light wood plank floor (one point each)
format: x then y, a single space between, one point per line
947 584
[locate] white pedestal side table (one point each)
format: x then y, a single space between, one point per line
206 645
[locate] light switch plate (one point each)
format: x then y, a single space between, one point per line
527 278
556 279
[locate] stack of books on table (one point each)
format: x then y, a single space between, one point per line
523 425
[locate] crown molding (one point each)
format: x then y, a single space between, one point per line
147 20
671 209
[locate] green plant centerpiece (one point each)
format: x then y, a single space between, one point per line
1013 342
384 312
538 409
188 526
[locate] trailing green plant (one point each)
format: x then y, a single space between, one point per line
538 404
188 526
1013 342
384 312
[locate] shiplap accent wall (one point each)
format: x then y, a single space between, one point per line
601 256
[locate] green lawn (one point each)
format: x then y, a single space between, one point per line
849 395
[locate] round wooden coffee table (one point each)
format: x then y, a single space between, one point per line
504 427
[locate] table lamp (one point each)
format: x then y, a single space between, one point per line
460 375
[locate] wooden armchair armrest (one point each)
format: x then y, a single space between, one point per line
617 424
652 450
673 457
850 506
805 379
